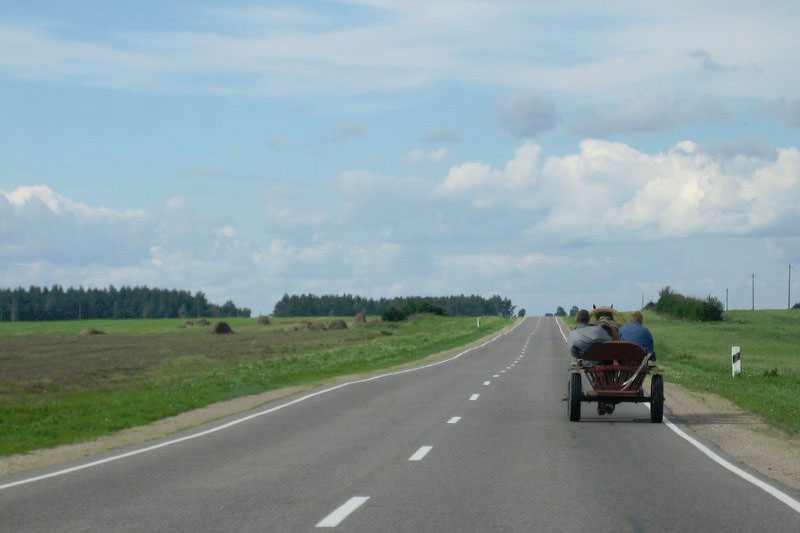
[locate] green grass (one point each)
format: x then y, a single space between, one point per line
59 387
697 355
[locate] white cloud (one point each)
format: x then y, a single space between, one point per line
610 187
38 223
226 231
487 186
423 156
175 203
399 45
29 197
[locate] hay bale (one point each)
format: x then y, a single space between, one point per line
317 326
337 324
92 331
203 322
263 320
361 317
221 328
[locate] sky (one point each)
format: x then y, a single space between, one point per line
554 153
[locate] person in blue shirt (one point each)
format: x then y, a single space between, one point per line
636 333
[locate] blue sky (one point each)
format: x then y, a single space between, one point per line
554 153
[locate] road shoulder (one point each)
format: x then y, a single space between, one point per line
739 434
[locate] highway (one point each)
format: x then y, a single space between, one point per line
479 441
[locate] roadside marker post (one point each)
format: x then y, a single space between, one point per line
736 361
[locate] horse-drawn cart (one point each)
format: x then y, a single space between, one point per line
616 371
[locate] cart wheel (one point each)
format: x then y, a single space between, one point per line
656 398
575 395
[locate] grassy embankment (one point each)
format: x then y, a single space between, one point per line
697 355
58 387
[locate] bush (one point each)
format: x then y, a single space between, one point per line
393 314
685 307
222 328
521 312
421 306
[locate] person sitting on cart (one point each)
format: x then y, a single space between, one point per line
635 332
585 336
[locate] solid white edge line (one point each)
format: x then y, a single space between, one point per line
769 489
558 323
342 512
419 454
454 420
249 417
474 397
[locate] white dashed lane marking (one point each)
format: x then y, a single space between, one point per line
419 454
487 382
474 397
333 519
454 420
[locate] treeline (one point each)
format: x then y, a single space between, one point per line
680 306
348 305
56 303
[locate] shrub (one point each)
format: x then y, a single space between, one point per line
263 320
521 312
421 306
393 314
686 307
222 328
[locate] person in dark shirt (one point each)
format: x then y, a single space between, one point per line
636 333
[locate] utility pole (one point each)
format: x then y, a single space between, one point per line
642 301
754 292
726 298
789 297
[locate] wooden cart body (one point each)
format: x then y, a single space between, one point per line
616 371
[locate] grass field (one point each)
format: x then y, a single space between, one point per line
697 355
58 387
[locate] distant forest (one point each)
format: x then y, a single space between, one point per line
349 305
55 303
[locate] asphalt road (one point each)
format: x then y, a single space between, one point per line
477 443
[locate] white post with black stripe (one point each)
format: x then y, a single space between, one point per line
736 361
